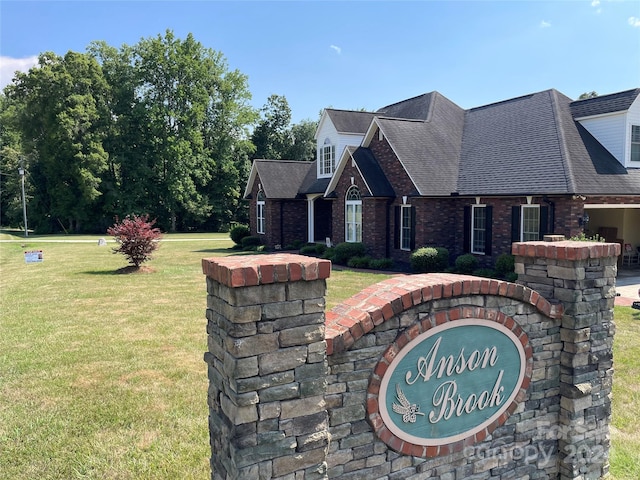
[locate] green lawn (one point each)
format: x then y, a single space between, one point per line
102 377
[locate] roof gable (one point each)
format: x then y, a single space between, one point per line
349 121
428 150
416 108
280 179
372 174
604 104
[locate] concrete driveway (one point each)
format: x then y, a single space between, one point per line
627 286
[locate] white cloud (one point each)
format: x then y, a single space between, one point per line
8 67
544 24
634 21
338 50
595 3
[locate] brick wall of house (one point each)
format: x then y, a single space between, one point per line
285 220
344 183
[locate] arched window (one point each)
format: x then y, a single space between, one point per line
327 160
353 215
260 212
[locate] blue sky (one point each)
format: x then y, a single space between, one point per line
360 54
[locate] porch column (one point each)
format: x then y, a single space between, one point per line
310 220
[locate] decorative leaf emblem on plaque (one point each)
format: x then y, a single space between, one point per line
406 408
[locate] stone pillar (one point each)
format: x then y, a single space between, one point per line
581 276
267 366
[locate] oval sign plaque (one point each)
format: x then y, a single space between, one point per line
452 381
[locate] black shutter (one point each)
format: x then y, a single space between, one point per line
467 229
412 245
544 222
396 227
515 223
488 240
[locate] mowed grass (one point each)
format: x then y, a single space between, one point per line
102 374
625 430
102 377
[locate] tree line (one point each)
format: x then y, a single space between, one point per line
162 127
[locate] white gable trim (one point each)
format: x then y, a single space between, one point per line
324 118
251 180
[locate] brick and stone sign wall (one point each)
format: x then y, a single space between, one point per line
420 376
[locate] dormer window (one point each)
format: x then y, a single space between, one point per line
635 143
327 160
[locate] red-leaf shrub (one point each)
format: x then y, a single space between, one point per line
137 238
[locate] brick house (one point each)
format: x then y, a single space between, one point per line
424 171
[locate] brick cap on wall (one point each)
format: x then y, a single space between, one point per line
376 304
252 270
566 250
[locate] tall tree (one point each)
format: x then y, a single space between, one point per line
188 95
303 142
274 137
62 121
10 155
271 135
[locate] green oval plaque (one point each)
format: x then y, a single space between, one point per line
452 381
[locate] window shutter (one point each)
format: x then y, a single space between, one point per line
396 227
515 223
544 222
488 240
412 246
467 229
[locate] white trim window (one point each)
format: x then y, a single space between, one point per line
260 212
478 229
353 215
406 226
635 143
530 223
327 158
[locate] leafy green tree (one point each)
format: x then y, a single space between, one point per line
10 155
586 95
303 142
271 135
274 137
62 119
189 115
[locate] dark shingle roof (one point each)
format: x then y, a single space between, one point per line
523 146
416 108
281 178
615 102
513 147
349 121
429 150
593 169
372 173
532 145
311 184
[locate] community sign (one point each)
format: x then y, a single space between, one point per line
452 381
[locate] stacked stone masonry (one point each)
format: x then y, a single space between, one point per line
292 393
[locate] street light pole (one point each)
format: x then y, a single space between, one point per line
24 203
